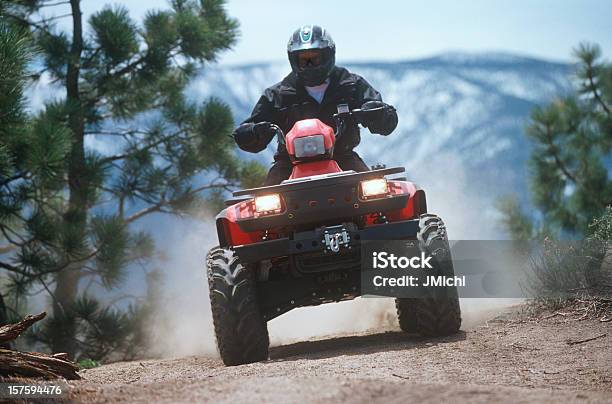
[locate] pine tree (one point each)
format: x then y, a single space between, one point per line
32 155
124 88
572 138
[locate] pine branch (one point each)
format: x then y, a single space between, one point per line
154 208
20 175
553 150
50 292
87 60
150 146
161 204
12 268
122 133
40 274
126 155
593 89
17 270
5 249
127 69
131 67
28 22
21 243
55 17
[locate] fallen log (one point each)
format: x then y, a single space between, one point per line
11 331
36 365
32 364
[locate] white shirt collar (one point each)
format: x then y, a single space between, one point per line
318 92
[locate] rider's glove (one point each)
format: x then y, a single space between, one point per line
378 117
264 130
250 136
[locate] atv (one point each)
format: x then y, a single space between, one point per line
297 244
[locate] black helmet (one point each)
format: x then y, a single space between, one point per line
312 54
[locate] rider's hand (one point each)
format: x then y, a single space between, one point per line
264 130
373 111
378 117
244 136
249 134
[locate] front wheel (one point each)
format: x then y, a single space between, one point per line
437 314
241 331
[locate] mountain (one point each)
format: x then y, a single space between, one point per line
461 124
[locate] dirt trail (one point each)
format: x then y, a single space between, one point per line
507 360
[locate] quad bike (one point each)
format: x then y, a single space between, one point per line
297 244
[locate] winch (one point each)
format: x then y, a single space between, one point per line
336 237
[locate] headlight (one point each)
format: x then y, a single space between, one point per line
377 187
268 203
309 146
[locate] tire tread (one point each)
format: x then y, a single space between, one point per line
430 316
240 330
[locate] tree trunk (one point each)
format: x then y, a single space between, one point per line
75 218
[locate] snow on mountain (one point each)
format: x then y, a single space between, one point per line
461 123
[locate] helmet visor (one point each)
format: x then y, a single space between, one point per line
309 58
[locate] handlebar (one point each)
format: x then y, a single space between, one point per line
357 113
343 113
280 135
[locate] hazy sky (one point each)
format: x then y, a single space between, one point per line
395 30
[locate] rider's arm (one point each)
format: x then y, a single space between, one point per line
382 122
250 137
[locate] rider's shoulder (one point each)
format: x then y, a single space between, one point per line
286 85
346 77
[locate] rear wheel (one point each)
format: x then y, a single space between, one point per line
241 331
438 313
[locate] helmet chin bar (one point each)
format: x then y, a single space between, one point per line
314 76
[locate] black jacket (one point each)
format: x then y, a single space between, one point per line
288 102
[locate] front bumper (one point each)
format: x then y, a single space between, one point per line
310 241
333 197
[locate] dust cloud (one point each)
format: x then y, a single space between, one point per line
469 214
182 324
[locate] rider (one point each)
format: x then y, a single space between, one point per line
314 89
